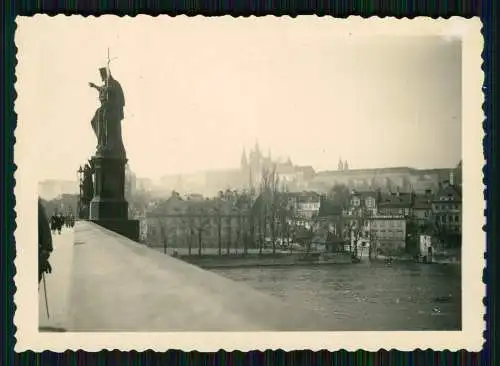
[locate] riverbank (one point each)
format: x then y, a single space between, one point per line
212 260
266 260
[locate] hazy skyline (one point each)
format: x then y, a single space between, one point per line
197 93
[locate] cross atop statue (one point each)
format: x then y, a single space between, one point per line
108 62
106 122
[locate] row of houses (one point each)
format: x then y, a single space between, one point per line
233 220
196 222
394 221
230 220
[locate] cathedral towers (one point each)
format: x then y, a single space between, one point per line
342 166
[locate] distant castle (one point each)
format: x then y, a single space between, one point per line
248 176
290 176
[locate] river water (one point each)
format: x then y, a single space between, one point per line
366 296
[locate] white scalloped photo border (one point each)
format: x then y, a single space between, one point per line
473 263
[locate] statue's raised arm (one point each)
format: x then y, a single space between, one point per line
99 88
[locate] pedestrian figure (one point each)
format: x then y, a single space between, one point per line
60 222
53 223
44 242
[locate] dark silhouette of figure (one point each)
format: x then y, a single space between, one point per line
59 223
53 223
88 184
44 242
87 189
106 122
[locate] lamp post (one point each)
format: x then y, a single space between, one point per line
80 195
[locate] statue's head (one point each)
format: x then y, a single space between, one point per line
104 73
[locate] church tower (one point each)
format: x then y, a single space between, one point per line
244 161
340 165
256 150
256 162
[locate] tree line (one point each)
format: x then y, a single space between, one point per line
252 217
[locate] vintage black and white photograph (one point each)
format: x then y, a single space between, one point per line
241 175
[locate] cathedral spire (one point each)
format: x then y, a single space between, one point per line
250 181
257 148
244 161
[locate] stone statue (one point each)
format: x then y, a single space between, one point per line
106 122
88 184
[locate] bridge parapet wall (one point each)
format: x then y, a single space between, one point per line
120 285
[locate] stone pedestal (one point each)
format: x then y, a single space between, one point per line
127 228
109 208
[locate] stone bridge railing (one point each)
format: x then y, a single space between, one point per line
120 285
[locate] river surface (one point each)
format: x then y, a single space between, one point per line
366 296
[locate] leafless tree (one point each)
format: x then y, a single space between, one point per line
271 202
240 207
238 231
285 213
202 222
217 209
163 234
275 198
244 204
229 232
188 221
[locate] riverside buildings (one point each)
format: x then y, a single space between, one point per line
196 223
392 218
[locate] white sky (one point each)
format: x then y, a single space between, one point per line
198 90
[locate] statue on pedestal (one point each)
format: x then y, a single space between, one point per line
88 182
106 122
108 206
86 189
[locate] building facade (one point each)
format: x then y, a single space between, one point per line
422 207
388 233
362 203
193 223
396 204
447 209
305 205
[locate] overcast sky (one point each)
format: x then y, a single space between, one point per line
199 90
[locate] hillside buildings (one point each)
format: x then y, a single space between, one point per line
394 221
298 178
